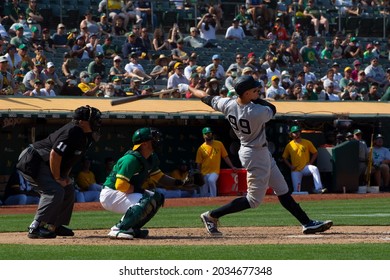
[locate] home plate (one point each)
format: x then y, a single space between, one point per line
307 236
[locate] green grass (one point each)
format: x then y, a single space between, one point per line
359 212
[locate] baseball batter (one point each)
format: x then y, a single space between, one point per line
247 115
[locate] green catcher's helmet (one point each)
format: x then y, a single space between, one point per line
145 134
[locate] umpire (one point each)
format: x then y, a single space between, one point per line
46 164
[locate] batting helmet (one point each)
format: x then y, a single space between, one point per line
295 128
146 134
207 130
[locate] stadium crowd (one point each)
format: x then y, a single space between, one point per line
289 48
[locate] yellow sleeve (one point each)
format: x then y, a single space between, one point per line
224 153
122 185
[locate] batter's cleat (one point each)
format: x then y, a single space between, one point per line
40 233
316 226
211 224
121 234
140 233
64 231
320 191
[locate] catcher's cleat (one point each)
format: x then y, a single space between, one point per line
40 233
211 224
121 234
140 233
64 231
316 226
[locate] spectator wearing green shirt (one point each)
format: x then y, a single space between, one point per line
308 52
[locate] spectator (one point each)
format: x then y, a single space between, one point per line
336 49
93 46
346 79
208 26
105 26
280 31
109 49
195 41
117 70
19 39
118 86
114 10
272 71
380 163
361 84
350 92
208 160
35 40
70 65
353 49
275 91
50 73
212 87
375 73
245 20
133 45
97 66
368 55
373 93
33 16
283 57
46 42
89 190
87 86
179 53
90 26
295 93
31 76
7 85
293 50
299 155
133 67
109 90
330 94
146 42
308 52
39 56
178 77
174 35
253 61
60 39
356 69
235 32
216 64
190 67
70 87
135 87
159 42
79 49
376 51
309 93
330 76
37 91
22 22
317 18
13 58
119 27
238 65
48 89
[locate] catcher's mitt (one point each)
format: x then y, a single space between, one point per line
194 179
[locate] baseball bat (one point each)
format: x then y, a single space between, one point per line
133 98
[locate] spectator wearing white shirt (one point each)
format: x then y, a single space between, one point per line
220 71
235 32
272 71
134 67
275 91
208 26
329 91
48 90
178 77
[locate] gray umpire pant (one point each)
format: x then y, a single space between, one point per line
56 202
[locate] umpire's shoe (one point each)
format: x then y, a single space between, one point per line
41 233
64 231
316 226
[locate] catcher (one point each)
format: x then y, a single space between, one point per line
123 192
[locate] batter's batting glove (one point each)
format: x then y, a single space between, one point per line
183 88
194 179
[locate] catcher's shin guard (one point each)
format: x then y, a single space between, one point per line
141 213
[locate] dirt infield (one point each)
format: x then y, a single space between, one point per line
197 236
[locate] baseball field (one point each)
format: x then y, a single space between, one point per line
361 231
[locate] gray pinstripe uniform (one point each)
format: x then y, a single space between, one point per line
248 123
